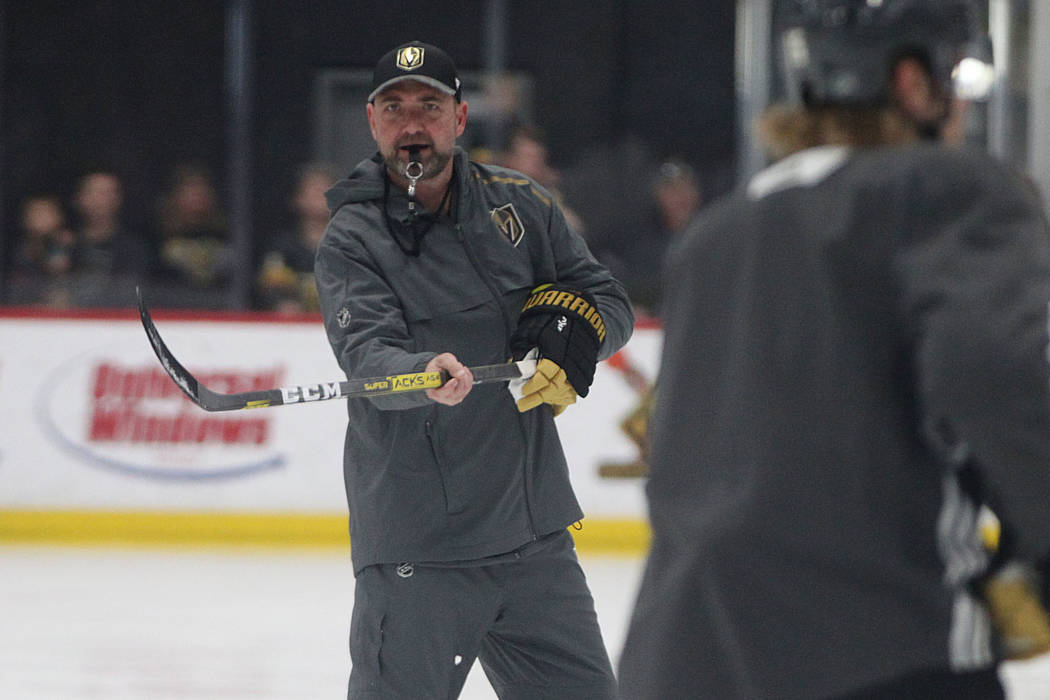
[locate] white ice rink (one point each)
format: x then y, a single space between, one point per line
138 624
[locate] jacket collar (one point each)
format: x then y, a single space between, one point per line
365 183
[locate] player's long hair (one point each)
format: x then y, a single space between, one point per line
788 128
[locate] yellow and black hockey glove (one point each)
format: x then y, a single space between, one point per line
547 385
1010 591
564 324
1018 615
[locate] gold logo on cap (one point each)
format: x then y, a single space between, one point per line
410 57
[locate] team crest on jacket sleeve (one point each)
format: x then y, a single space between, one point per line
509 223
342 317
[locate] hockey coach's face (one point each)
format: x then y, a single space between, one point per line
414 114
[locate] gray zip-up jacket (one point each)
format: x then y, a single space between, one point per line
427 482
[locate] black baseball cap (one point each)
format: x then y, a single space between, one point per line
416 61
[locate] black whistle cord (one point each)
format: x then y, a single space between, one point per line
413 223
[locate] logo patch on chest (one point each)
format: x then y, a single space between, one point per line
509 223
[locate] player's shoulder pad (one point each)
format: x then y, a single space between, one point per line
933 164
965 176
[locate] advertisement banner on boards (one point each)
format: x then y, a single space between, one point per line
91 420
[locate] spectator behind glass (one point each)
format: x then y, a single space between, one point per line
636 258
676 190
677 197
44 256
526 152
195 258
109 259
286 278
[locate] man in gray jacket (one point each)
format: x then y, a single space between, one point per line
459 499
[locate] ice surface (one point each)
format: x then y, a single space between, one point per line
138 624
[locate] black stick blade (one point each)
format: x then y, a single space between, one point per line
179 374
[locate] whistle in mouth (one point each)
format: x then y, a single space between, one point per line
413 170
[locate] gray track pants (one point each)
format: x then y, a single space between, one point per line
528 616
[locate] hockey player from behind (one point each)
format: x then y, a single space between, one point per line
855 357
460 498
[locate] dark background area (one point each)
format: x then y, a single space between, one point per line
139 86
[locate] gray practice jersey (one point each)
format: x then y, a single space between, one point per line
842 338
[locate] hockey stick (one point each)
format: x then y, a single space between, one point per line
374 386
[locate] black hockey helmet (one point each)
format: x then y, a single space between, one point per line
842 51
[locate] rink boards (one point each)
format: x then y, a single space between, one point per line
99 445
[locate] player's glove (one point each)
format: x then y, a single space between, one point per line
1018 615
547 385
1011 594
568 330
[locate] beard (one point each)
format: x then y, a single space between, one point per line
433 160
